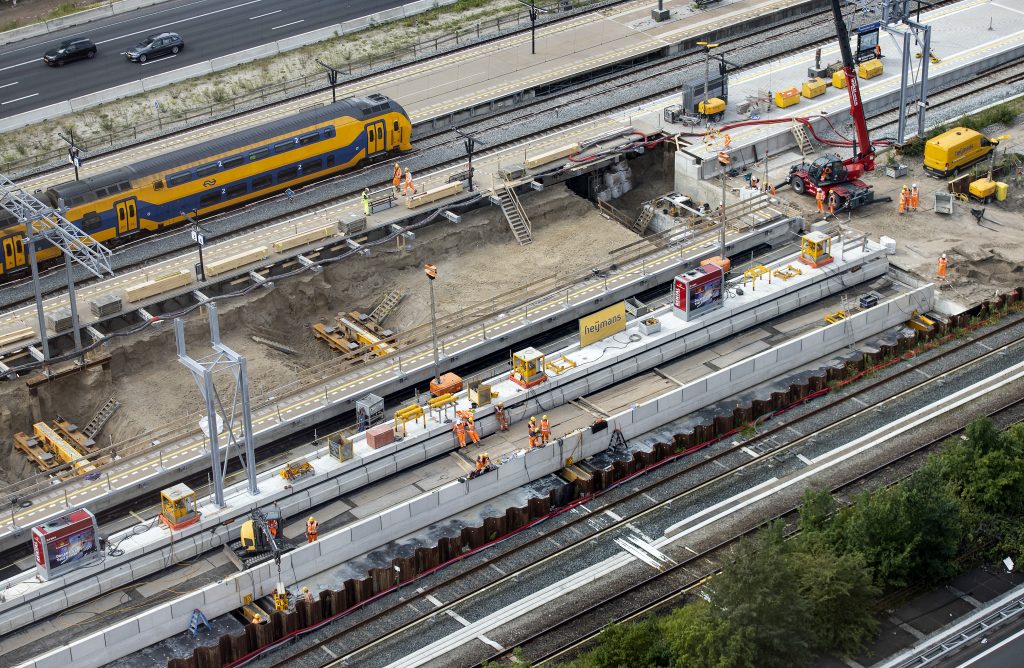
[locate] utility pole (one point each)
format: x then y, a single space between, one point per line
535 12
431 271
74 152
470 142
199 237
724 160
332 78
707 68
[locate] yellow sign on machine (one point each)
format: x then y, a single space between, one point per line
604 323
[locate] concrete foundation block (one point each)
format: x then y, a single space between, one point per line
365 528
58 658
186 604
741 370
86 650
120 632
106 95
449 493
396 515
155 618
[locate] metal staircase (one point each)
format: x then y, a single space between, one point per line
386 306
803 142
101 418
514 213
644 219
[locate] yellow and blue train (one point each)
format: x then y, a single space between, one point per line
154 194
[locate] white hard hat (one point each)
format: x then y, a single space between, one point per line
914 185
943 256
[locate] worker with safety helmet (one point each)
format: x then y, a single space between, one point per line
545 430
311 529
502 417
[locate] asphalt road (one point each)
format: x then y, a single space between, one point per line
1002 649
210 28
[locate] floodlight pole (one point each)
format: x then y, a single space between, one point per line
332 78
535 12
431 271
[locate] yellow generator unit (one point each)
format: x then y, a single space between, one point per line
787 97
839 79
713 108
528 368
178 507
816 249
983 189
870 69
813 88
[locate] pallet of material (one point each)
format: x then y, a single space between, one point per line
235 261
162 283
434 194
552 155
304 238
59 319
331 337
16 335
105 305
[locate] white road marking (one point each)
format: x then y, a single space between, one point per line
612 515
288 24
19 99
166 25
805 460
13 83
27 62
158 60
276 11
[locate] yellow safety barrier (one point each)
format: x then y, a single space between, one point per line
158 285
833 318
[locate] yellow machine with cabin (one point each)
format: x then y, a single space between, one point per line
816 249
528 368
179 507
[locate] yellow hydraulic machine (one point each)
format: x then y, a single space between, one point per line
984 189
178 507
816 249
528 368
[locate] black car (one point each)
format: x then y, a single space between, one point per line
156 45
72 49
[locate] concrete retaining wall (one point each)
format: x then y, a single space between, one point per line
171 618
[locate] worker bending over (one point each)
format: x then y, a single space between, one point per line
460 432
311 529
545 430
502 417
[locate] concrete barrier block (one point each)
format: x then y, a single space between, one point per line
410 456
83 589
355 25
691 391
718 382
18 34
648 410
48 112
184 605
107 95
118 633
366 528
766 360
306 38
174 76
513 476
78 18
155 618
741 370
414 8
302 556
395 515
388 15
422 504
86 650
244 56
334 540
380 469
435 447
450 493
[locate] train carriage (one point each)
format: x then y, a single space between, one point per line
221 173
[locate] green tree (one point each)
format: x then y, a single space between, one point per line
986 470
639 644
757 594
816 508
700 637
908 533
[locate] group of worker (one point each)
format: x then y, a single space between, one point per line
832 198
396 183
909 199
539 434
465 425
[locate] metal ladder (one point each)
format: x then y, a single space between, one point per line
103 415
386 306
644 219
803 142
514 214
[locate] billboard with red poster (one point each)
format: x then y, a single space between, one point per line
65 543
698 291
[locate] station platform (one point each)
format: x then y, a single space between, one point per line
969 37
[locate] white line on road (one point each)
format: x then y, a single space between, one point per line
167 25
158 60
276 11
13 83
288 24
27 62
19 99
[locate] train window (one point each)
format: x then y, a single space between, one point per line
380 133
395 126
232 162
178 179
125 186
282 146
259 154
91 222
287 173
206 170
209 198
312 165
262 181
307 139
237 190
75 201
330 160
329 132
101 192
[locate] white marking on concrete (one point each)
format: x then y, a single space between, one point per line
503 573
158 60
584 508
259 16
13 83
648 547
462 620
19 99
749 452
613 515
711 509
288 24
804 459
329 652
638 553
1012 10
432 599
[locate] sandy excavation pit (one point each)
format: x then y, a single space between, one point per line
476 260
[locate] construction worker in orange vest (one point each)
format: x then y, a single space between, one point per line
460 432
482 462
471 430
502 417
532 430
311 529
878 50
820 197
256 619
545 430
833 202
753 182
396 180
408 183
942 266
904 200
915 197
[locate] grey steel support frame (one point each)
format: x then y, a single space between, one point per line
898 11
202 372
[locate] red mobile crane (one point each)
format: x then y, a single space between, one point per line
830 172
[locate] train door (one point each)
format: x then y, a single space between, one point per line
14 253
375 140
127 216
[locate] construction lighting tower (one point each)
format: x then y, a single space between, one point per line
46 224
707 67
431 272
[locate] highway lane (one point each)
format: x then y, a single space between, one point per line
210 28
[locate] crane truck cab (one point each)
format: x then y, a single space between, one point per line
830 173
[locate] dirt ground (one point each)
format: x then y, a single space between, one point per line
477 260
14 13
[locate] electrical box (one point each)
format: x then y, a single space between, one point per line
870 69
65 544
839 79
340 447
813 88
178 507
698 291
787 97
369 411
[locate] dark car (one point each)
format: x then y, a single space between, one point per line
156 45
72 49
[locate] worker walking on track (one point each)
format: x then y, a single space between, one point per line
942 266
471 430
396 180
460 432
366 201
502 417
311 529
915 196
408 183
545 430
820 197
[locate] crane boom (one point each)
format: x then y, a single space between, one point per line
865 152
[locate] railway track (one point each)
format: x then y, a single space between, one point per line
570 535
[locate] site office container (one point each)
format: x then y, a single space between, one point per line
956 149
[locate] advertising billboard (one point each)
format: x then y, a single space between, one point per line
65 543
604 323
698 291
